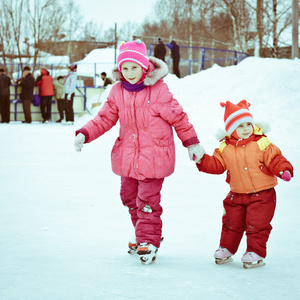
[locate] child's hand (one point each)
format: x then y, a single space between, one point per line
196 152
285 175
78 142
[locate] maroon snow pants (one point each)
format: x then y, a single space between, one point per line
251 213
142 197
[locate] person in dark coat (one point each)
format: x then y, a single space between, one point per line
4 96
44 81
27 83
160 50
106 80
175 54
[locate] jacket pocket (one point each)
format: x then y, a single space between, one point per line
228 177
265 170
161 139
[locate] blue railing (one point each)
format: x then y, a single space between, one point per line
202 58
207 57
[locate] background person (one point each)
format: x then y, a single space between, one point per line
59 93
106 80
175 55
160 50
27 83
4 96
44 82
69 90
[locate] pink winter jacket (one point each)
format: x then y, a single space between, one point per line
145 146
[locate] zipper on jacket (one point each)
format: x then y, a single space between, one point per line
238 142
137 132
246 169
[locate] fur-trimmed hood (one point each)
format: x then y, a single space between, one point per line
260 128
156 71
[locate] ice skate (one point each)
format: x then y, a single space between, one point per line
132 245
222 256
252 260
147 253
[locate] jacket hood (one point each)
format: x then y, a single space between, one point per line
44 71
156 71
260 128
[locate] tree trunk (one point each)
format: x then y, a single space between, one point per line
236 10
259 25
274 30
295 47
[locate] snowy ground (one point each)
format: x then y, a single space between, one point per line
64 231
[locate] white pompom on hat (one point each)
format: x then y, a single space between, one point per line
236 114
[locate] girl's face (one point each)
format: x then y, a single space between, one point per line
244 130
132 72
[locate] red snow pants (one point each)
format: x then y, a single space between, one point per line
251 213
142 197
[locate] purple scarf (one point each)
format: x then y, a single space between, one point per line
133 87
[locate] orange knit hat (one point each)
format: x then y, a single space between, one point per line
236 114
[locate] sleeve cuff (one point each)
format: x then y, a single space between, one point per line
85 133
190 142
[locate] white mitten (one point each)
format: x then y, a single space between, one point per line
196 152
78 142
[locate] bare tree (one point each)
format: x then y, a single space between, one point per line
5 33
12 21
237 12
127 31
92 31
278 18
39 17
72 25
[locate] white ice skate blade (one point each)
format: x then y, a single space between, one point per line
253 264
132 251
222 261
148 259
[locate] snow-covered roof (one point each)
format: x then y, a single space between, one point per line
96 62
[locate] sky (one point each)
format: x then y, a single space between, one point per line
119 11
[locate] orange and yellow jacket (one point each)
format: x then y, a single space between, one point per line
252 164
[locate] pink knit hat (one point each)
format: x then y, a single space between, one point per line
134 51
236 114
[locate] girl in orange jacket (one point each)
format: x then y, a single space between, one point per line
252 163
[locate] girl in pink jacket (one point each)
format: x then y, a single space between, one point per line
144 152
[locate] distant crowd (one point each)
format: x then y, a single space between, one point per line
62 89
